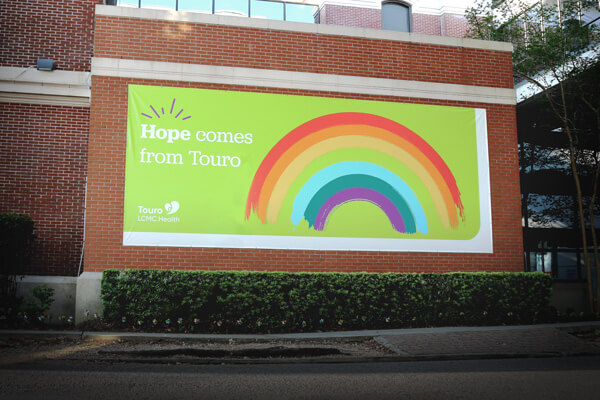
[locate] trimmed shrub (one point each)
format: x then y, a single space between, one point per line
285 302
16 239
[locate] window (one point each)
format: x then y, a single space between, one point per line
396 16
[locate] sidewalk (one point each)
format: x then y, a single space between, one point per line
551 340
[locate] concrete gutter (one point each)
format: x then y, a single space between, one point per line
298 336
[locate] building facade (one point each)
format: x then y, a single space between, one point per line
64 132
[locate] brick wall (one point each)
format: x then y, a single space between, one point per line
246 47
233 46
60 30
43 151
43 148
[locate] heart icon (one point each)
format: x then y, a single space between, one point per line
172 207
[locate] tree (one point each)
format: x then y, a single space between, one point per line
558 53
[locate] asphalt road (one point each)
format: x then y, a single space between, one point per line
551 378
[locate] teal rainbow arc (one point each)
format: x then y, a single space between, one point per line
348 181
352 180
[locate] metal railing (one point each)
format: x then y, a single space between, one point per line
284 3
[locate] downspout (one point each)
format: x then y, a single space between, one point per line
84 220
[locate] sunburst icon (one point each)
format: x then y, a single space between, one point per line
162 112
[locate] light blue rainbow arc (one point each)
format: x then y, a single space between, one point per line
345 168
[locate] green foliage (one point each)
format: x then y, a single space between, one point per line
43 297
557 52
16 238
277 301
545 38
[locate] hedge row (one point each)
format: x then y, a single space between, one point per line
16 239
280 302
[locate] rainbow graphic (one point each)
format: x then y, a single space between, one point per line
347 181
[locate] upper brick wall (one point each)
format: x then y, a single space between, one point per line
60 30
106 178
238 46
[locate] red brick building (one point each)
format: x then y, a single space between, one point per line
62 128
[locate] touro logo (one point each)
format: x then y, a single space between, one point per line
172 207
150 214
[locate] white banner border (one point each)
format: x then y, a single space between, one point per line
481 243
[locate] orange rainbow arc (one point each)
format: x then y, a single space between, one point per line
288 158
301 154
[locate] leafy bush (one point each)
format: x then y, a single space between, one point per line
39 304
16 239
277 301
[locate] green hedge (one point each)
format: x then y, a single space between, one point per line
280 302
16 239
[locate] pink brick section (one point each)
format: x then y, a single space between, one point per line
105 202
43 151
295 51
454 25
60 30
359 17
427 24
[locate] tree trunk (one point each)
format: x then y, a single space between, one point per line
586 256
592 215
594 237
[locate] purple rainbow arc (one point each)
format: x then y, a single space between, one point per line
358 194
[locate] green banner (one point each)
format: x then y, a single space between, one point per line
209 168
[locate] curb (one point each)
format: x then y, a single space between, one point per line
299 336
332 360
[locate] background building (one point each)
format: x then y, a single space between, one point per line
552 235
430 17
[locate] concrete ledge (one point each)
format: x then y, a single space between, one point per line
159 70
88 295
72 295
46 99
64 291
28 85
